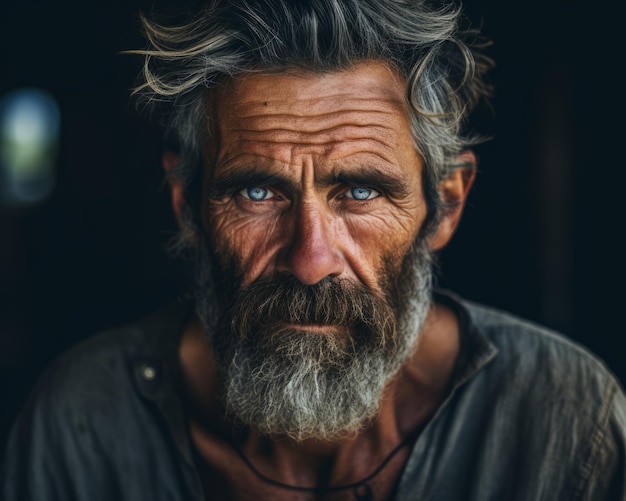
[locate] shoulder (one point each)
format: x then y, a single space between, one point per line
96 368
95 362
99 373
86 414
565 405
528 348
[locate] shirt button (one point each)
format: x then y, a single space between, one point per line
148 372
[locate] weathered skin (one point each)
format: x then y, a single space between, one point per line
309 140
308 132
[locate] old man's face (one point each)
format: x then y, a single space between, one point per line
314 175
312 210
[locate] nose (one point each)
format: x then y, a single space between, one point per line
311 253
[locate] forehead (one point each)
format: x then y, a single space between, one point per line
292 87
327 116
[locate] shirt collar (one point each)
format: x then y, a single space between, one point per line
476 349
156 370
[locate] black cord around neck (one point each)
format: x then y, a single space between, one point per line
361 489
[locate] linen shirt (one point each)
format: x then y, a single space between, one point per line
530 416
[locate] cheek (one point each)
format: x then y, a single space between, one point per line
382 239
247 237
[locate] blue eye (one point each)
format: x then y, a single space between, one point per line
362 193
256 193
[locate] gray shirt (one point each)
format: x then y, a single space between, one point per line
530 416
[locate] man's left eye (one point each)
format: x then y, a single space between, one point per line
362 193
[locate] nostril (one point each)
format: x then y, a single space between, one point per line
311 265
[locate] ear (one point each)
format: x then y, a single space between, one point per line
170 161
454 190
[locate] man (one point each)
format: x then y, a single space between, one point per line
322 157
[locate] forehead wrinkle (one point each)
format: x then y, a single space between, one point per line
338 125
313 121
242 159
288 153
334 142
340 150
292 118
340 133
308 125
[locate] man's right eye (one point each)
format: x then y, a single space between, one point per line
256 193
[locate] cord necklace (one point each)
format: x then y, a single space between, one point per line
361 489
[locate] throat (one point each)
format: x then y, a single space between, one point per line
366 466
278 469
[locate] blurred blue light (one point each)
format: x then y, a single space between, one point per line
29 141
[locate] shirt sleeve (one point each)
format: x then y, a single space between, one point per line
54 452
607 479
33 467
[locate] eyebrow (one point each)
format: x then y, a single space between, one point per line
374 178
230 183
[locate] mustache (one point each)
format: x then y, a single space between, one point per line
282 298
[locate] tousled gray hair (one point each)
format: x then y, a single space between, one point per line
442 64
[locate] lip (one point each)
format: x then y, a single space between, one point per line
321 328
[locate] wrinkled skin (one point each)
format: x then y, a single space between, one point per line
310 148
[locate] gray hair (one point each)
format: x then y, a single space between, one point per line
442 64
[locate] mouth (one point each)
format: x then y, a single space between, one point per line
316 328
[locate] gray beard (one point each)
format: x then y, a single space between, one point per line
286 382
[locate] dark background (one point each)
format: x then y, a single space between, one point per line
541 235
